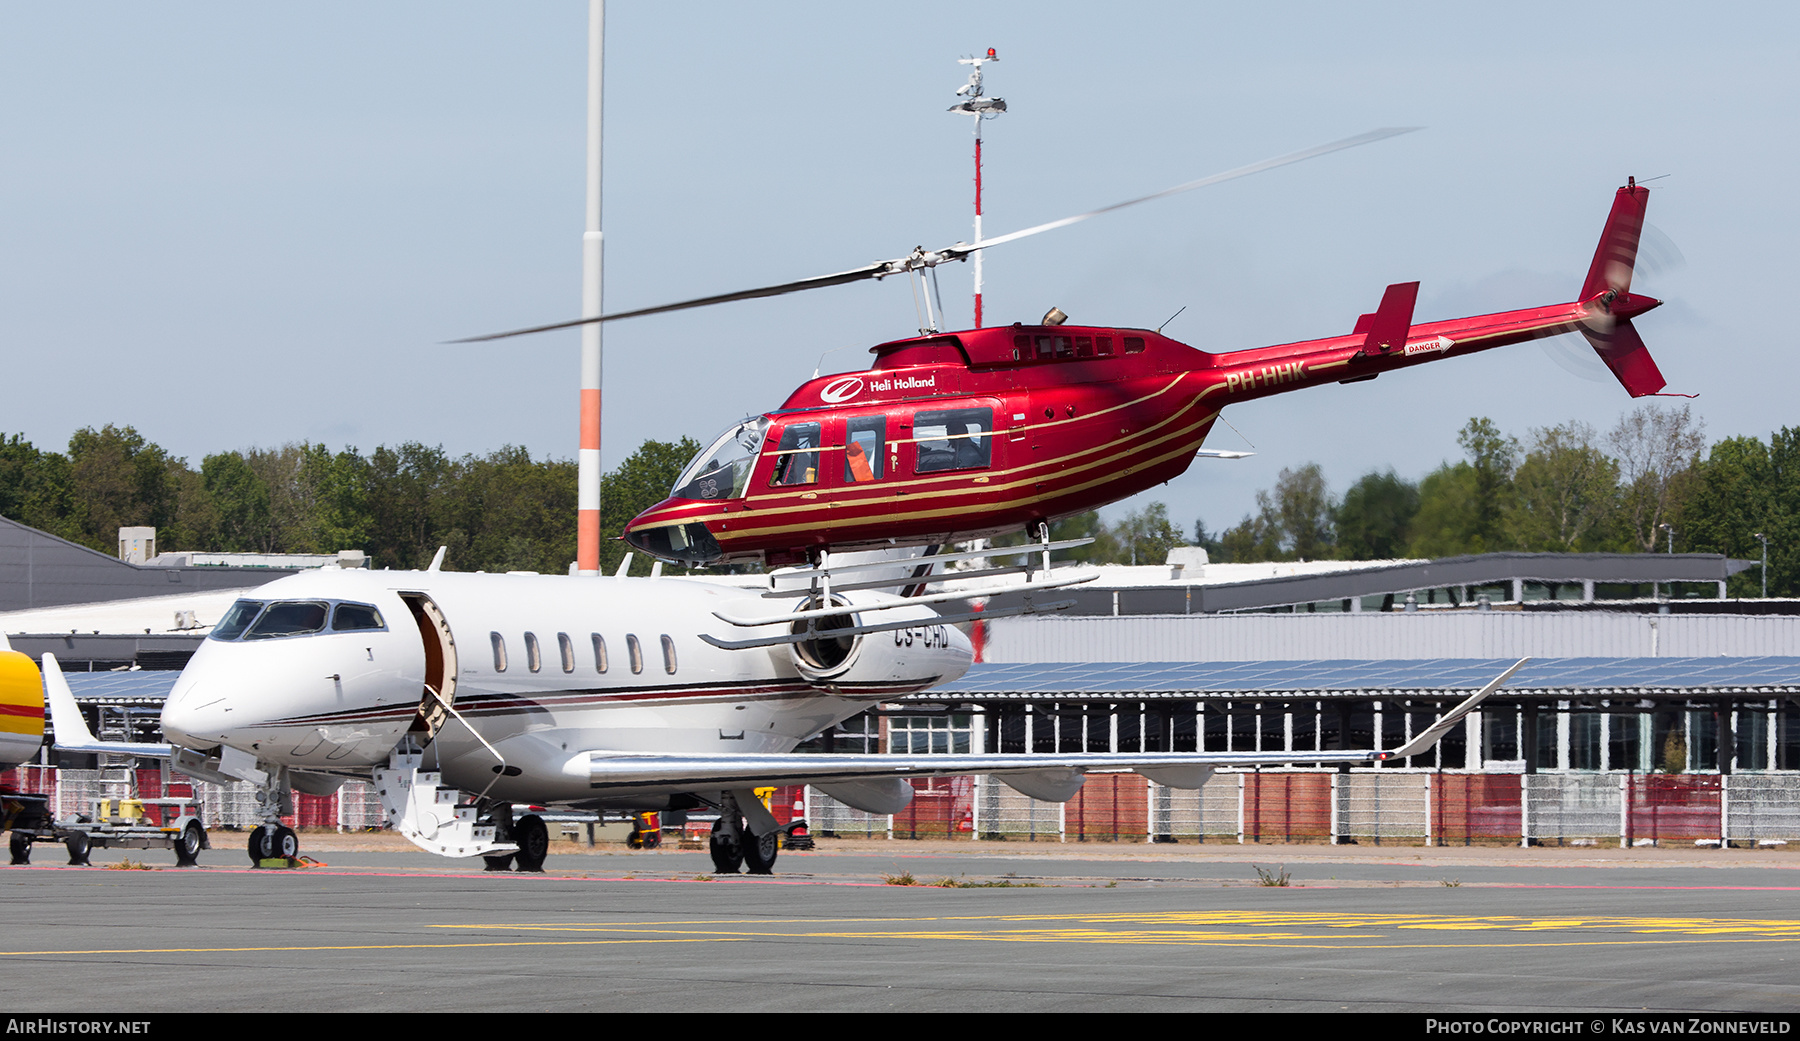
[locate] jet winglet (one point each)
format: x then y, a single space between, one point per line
1454 716
1386 329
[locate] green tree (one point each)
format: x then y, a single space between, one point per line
239 499
1146 536
1658 450
1565 493
117 478
640 482
1744 488
1374 522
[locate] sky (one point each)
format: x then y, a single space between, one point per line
231 225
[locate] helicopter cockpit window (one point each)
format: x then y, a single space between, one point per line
865 440
294 618
797 457
955 439
723 470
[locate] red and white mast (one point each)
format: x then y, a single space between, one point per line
587 527
981 108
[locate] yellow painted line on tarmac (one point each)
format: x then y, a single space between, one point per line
1327 930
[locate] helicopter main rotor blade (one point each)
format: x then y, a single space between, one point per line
960 250
816 282
919 258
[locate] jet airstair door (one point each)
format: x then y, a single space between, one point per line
439 689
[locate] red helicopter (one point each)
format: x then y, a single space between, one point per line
963 435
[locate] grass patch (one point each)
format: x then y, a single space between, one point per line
129 865
1450 883
904 878
1266 877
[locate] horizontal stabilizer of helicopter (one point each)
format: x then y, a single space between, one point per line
1386 329
838 610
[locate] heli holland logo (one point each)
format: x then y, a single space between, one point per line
841 390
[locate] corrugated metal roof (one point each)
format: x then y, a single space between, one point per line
1563 677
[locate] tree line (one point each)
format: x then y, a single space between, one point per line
1648 483
504 511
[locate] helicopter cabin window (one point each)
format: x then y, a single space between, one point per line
534 657
635 653
797 457
599 652
954 439
1084 346
1134 345
499 643
567 647
668 646
1055 347
1103 346
864 445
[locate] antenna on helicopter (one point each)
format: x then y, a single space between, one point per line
975 104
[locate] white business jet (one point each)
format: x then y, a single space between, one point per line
462 694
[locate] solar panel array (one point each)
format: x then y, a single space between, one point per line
1571 677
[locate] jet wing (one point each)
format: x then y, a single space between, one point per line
1038 775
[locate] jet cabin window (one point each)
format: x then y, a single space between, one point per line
797 458
499 643
534 658
635 652
668 646
599 652
567 647
956 439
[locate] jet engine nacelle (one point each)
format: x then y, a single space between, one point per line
926 653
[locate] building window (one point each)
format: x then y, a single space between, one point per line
939 734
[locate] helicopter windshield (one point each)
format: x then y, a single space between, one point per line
722 471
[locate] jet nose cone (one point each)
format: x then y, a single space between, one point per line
192 717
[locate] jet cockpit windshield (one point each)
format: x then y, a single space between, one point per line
723 470
247 619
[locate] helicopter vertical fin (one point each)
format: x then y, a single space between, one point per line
1386 329
1616 256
